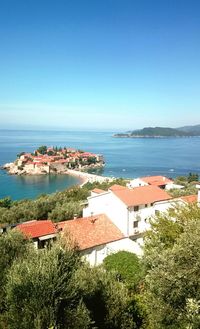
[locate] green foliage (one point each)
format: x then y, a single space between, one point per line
189 189
159 131
105 185
172 260
42 149
106 299
187 182
126 266
65 211
192 177
91 160
45 206
13 246
40 291
53 288
20 154
155 132
6 202
57 206
184 180
50 153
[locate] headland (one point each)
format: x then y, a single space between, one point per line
46 160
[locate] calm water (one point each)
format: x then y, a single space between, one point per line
124 158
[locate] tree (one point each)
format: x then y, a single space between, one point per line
106 299
126 266
53 288
50 153
172 259
6 202
20 154
66 211
91 160
13 246
40 291
192 177
42 149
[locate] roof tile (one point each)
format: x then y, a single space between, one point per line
91 231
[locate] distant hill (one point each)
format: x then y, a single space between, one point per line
187 131
194 130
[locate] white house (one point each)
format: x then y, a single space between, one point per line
160 181
128 209
97 237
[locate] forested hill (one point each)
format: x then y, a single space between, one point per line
161 132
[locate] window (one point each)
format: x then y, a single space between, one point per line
135 224
136 208
146 205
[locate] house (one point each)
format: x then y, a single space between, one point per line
97 237
41 232
96 191
189 198
128 209
159 181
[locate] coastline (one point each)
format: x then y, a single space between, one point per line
88 178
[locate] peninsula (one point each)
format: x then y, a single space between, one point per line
156 132
46 160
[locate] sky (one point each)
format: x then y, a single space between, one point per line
99 64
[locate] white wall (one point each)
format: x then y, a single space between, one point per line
96 255
163 206
141 215
172 185
136 183
111 206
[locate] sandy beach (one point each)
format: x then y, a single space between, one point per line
86 177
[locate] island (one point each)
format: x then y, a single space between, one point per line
159 132
46 160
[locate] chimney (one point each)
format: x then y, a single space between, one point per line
92 218
75 216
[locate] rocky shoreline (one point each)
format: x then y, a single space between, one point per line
13 169
53 160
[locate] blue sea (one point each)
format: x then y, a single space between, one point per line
124 158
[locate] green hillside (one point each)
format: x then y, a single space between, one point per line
187 131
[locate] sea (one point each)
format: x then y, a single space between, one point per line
124 157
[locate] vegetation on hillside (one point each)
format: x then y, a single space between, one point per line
55 288
172 264
189 183
159 132
57 206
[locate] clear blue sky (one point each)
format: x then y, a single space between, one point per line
117 64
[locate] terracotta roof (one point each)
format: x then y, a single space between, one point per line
140 195
98 191
116 187
36 229
92 231
156 180
190 198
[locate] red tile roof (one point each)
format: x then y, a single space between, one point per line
116 187
190 198
156 180
140 195
36 229
98 191
92 231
